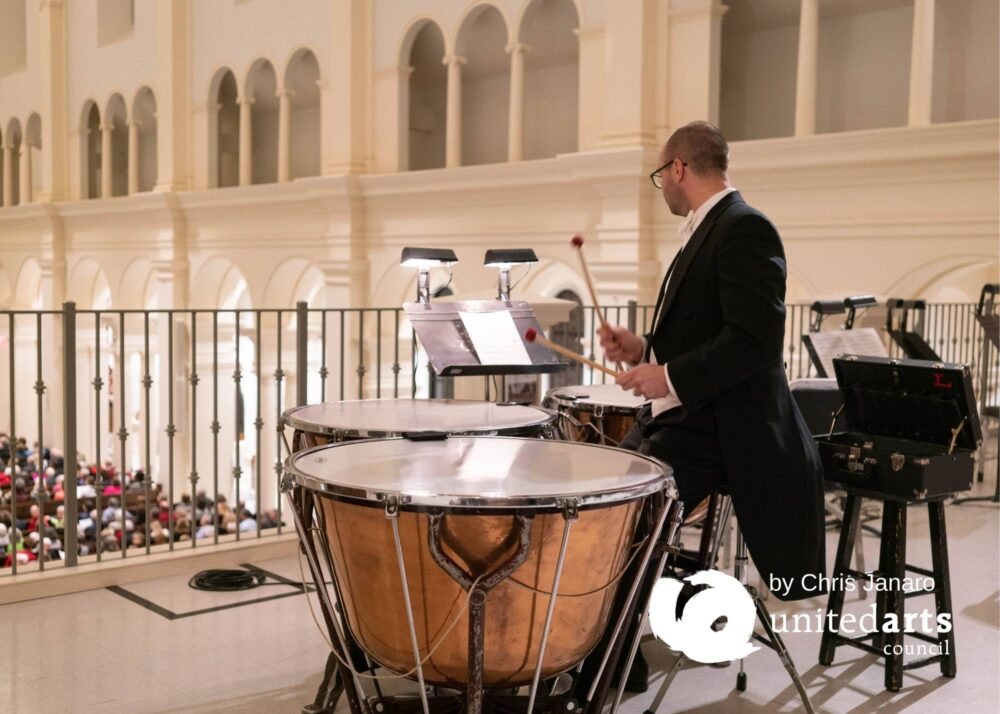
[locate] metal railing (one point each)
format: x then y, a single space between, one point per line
191 400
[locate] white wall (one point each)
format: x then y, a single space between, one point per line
758 83
864 70
966 60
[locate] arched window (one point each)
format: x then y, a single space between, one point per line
428 99
224 165
262 88
301 79
12 152
90 146
482 40
115 119
144 117
551 78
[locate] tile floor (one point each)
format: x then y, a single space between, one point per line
100 652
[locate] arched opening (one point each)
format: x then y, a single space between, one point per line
12 187
569 334
301 81
116 118
224 168
428 99
262 88
144 116
31 150
551 78
90 145
482 40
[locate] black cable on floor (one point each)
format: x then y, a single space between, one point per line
226 580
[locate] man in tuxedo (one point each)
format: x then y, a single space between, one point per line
721 412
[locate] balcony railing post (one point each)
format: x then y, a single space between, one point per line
301 353
633 309
70 466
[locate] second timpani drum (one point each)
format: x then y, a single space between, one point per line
334 422
596 413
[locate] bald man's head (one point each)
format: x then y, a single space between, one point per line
702 147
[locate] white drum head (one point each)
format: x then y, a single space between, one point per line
395 417
479 472
607 395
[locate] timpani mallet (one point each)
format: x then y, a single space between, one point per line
577 243
532 335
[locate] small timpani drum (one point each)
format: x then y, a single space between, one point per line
596 414
443 553
333 422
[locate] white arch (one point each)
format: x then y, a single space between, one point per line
88 286
143 114
5 289
530 7
220 285
470 14
27 286
405 45
90 149
136 288
294 279
223 119
116 116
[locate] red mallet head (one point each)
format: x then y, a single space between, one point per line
531 334
577 241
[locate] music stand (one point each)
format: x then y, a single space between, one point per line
911 342
450 350
991 329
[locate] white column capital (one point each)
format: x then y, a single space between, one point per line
289 93
453 60
518 47
245 100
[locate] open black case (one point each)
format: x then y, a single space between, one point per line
912 428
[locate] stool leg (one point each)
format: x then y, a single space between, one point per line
835 604
881 574
942 582
896 571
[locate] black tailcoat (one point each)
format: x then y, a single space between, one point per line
719 329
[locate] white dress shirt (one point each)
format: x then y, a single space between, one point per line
686 230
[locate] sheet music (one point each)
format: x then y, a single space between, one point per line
494 337
864 341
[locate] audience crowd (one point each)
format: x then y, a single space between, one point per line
115 510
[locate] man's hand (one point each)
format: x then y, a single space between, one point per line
620 345
646 380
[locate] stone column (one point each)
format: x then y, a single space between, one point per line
26 177
922 63
695 61
8 170
515 123
246 141
453 126
133 157
284 135
805 78
106 160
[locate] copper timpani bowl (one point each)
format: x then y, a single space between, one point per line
477 493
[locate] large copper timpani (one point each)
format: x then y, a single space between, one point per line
596 414
405 529
333 422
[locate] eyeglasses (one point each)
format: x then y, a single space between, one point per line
657 178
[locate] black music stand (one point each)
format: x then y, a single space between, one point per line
991 328
910 341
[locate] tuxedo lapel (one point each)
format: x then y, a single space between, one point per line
687 255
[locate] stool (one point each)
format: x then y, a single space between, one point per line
710 545
892 565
